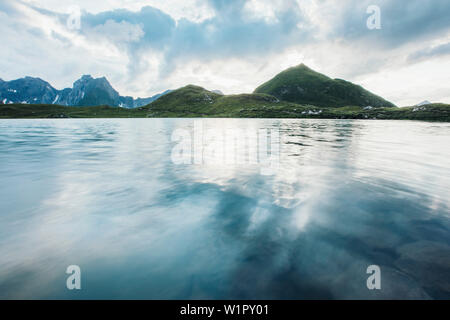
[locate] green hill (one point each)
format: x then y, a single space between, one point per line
194 101
303 85
189 100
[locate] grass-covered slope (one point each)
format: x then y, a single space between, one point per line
193 101
303 85
32 111
187 101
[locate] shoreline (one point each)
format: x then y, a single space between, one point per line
432 112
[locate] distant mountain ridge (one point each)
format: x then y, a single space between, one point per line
423 103
86 91
303 85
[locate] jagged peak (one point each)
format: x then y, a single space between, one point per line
83 79
33 78
88 79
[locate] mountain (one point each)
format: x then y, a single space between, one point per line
423 103
139 102
27 90
303 85
87 91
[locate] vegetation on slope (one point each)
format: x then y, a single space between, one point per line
236 106
303 85
30 111
193 101
298 92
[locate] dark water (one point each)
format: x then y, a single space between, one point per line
106 196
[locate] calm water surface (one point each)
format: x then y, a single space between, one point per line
105 195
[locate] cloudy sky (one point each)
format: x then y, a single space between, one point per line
145 47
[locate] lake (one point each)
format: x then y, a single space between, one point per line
110 196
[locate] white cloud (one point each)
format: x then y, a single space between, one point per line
194 10
412 84
233 53
41 46
117 32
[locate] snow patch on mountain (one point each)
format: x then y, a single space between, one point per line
423 103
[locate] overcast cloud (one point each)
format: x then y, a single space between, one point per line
145 47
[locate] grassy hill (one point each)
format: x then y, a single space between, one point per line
193 101
305 86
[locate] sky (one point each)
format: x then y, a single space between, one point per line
147 47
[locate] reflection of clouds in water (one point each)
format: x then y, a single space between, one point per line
400 154
328 260
308 191
86 212
289 178
292 186
144 227
428 262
